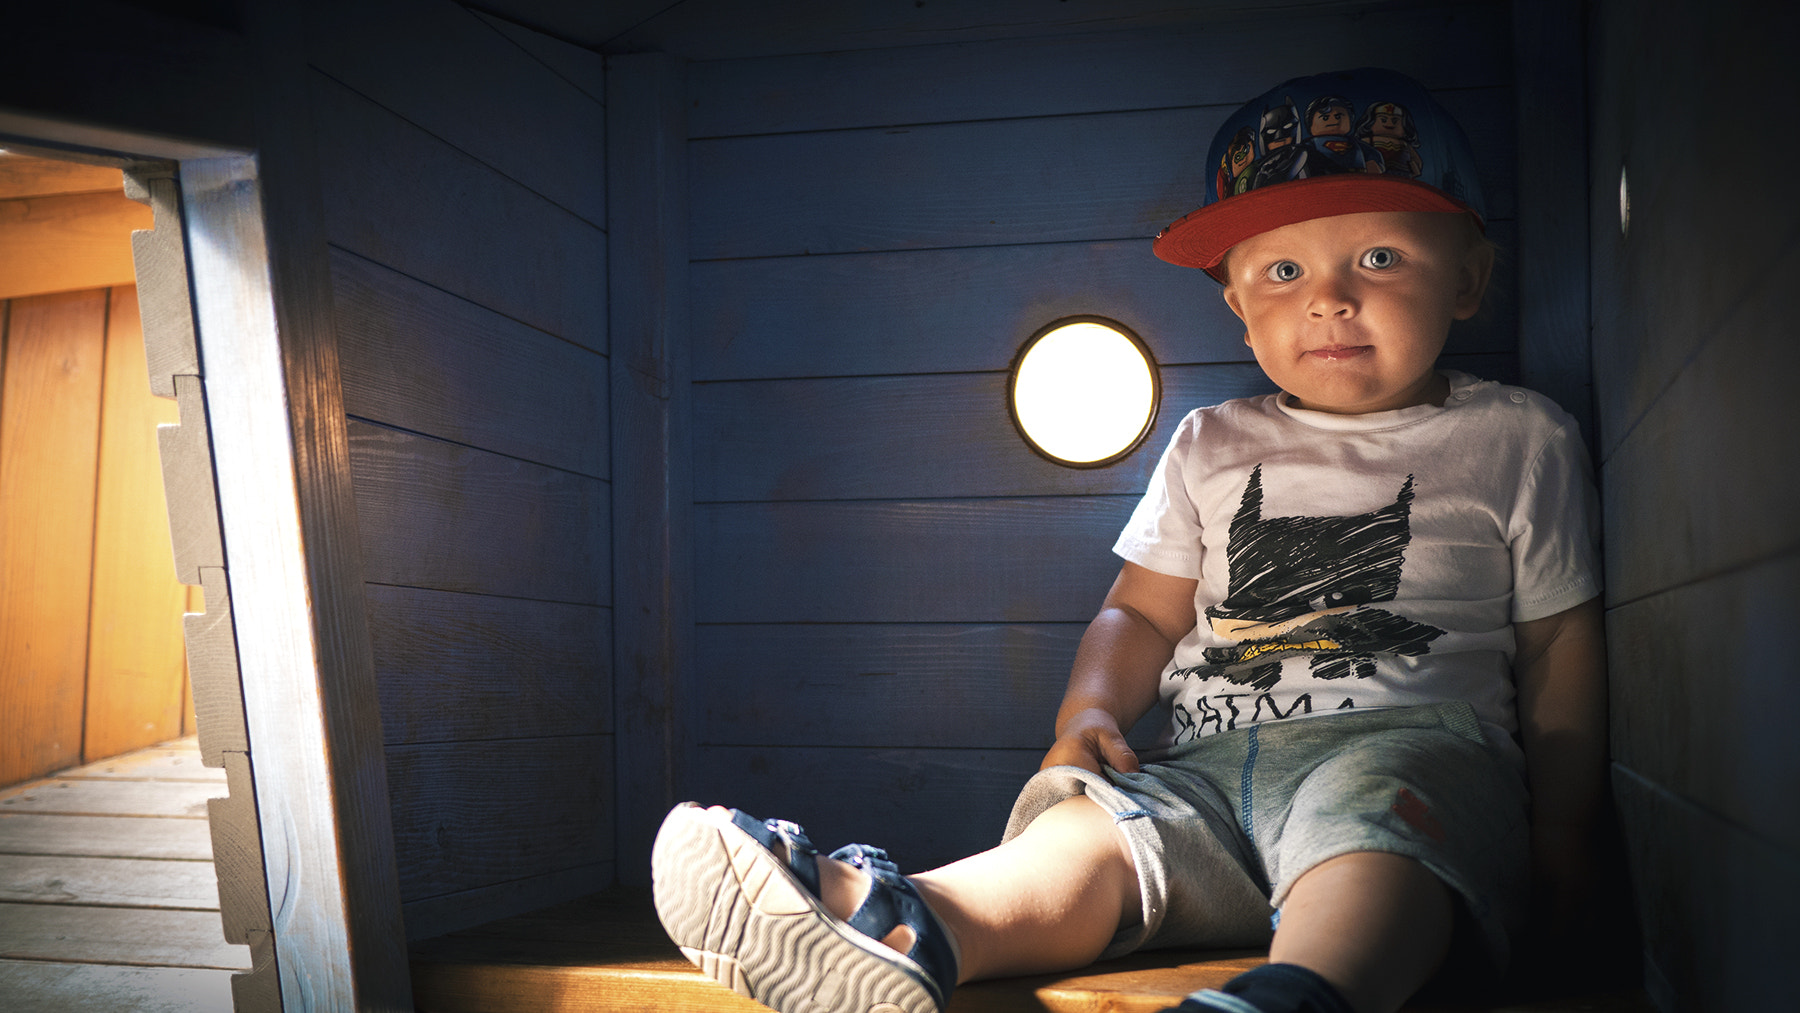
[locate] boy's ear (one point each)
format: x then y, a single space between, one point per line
1231 300
1472 280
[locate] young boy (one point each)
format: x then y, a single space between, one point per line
1368 603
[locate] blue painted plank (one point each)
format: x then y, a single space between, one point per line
439 515
453 222
989 560
458 667
415 357
1116 176
1219 62
908 685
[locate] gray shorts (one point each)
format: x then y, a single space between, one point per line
1222 826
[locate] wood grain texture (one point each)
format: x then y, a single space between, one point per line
135 665
50 987
1696 488
82 797
67 242
883 685
945 435
1114 177
22 176
475 814
459 667
547 278
1686 861
1701 682
24 833
160 259
1207 61
440 67
444 516
116 936
237 851
907 561
465 909
418 358
166 762
218 693
651 442
50 388
108 882
190 485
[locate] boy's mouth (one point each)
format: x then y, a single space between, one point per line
1336 352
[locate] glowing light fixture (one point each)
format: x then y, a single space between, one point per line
1084 392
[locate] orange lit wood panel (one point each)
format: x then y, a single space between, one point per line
135 657
49 436
67 242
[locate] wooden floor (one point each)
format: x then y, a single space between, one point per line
107 895
607 954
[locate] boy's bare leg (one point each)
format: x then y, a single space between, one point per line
1375 925
1049 899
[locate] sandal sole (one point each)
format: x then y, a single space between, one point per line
740 916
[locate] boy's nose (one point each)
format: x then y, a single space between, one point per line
1331 296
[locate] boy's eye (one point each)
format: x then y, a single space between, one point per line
1286 270
1380 258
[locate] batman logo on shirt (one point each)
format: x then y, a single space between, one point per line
1307 586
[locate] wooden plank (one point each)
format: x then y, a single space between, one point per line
286 504
23 176
1552 262
418 358
49 436
160 259
912 436
1709 897
1691 491
927 807
1054 179
434 916
439 515
135 656
1697 707
940 685
178 761
582 67
184 799
652 442
992 560
454 667
420 222
439 67
108 882
67 242
237 847
47 987
1211 62
189 484
143 937
963 310
25 833
218 693
474 814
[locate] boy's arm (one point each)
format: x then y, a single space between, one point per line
1560 671
1114 679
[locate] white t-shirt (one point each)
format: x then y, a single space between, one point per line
1364 560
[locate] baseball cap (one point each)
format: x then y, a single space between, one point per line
1330 144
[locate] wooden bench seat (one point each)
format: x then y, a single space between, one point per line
607 952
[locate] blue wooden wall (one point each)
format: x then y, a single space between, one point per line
888 584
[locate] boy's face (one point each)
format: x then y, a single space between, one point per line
1348 314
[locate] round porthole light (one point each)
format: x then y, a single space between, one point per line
1084 392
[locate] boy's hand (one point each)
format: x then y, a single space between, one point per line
1090 739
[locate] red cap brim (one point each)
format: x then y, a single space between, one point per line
1201 238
